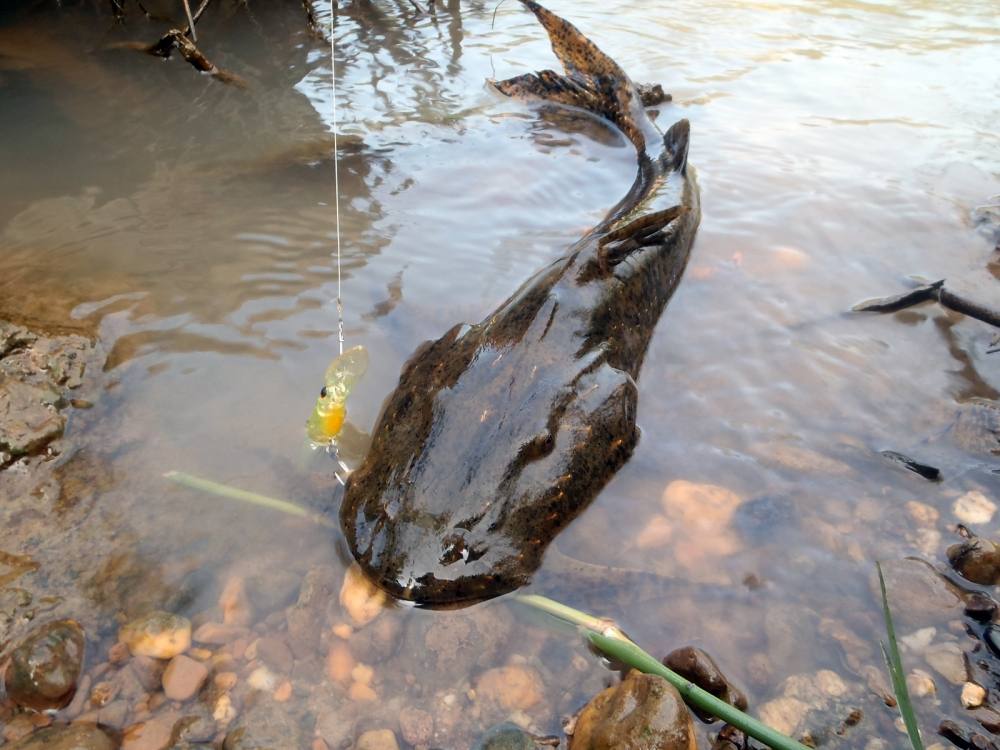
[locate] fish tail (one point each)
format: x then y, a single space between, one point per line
592 81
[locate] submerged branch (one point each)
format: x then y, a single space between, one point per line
931 292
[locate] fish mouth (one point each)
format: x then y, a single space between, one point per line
450 572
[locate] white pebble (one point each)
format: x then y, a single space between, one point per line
972 695
262 679
974 507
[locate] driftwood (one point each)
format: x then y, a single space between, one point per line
935 292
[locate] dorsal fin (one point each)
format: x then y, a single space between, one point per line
593 81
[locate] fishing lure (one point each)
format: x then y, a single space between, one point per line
327 418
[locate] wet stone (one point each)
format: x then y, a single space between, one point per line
416 726
697 666
45 667
980 607
271 589
265 726
976 559
29 419
183 678
644 712
193 729
73 737
916 590
506 736
161 635
307 616
275 653
377 739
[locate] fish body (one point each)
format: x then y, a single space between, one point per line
330 411
499 434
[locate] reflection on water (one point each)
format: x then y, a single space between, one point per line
840 147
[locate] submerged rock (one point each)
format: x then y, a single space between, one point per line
45 667
73 737
265 726
307 617
161 635
505 736
644 712
697 666
976 559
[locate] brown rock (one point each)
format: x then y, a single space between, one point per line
183 678
377 739
416 726
150 735
697 666
235 604
362 599
339 663
44 668
976 559
161 635
307 617
73 737
274 652
515 687
644 712
148 671
217 634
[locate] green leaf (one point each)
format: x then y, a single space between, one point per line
896 673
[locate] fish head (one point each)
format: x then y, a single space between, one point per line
469 479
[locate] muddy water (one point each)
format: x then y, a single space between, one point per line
840 147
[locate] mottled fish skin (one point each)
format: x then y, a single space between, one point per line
499 434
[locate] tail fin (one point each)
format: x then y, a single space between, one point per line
593 81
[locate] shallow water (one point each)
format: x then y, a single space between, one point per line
840 148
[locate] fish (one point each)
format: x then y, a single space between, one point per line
499 434
330 411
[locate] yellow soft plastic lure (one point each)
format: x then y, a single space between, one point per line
328 415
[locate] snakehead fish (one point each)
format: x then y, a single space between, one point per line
500 433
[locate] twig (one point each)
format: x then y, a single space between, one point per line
191 30
232 493
936 292
177 39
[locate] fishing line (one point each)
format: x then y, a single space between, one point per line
336 173
336 208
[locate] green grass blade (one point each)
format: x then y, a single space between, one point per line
232 493
896 673
613 643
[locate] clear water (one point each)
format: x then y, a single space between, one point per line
840 146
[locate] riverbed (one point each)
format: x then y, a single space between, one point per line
187 227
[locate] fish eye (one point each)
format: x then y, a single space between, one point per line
322 392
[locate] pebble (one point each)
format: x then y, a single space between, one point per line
283 692
377 739
72 737
784 714
218 634
363 673
361 598
103 693
161 635
223 711
150 735
235 604
922 513
974 508
225 680
416 726
918 640
506 736
262 679
183 678
980 606
343 630
148 671
339 663
948 661
655 533
643 711
515 687
920 684
307 617
973 695
44 668
276 654
362 693
704 513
